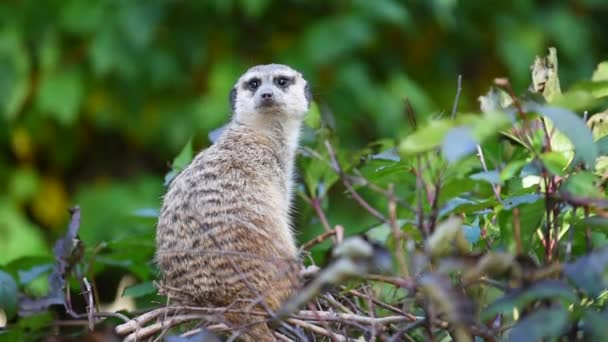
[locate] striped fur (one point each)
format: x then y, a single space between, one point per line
224 233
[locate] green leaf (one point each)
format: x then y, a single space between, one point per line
594 324
139 290
587 92
539 325
601 72
426 138
184 157
581 184
555 162
8 295
511 169
433 134
15 71
448 238
575 129
531 214
61 94
546 289
598 123
313 117
579 98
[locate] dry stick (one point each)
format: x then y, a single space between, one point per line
310 315
424 229
329 298
570 236
349 187
517 227
359 178
88 298
397 233
370 303
317 329
588 242
482 160
457 97
282 337
322 322
315 203
548 239
384 305
406 283
319 239
152 329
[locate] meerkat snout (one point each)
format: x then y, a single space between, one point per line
270 89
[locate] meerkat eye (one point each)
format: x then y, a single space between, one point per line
253 84
281 81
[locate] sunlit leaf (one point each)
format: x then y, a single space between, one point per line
601 72
15 71
432 135
555 162
448 238
139 290
581 184
575 129
313 117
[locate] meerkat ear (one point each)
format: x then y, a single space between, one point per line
232 99
308 93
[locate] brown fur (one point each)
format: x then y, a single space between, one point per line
224 233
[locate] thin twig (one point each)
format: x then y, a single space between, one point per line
517 228
457 97
317 329
320 238
88 298
349 187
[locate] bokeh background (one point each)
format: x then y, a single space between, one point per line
98 96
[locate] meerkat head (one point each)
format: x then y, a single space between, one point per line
270 90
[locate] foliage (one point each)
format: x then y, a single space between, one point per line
495 219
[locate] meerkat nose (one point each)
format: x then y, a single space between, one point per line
266 96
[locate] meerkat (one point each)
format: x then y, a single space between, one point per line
224 234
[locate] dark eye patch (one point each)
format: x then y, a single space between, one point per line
283 81
253 84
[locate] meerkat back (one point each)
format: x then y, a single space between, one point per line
224 234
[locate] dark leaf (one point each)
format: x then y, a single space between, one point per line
139 290
589 272
67 252
8 294
546 289
540 324
594 325
457 308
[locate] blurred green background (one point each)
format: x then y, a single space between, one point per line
98 96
